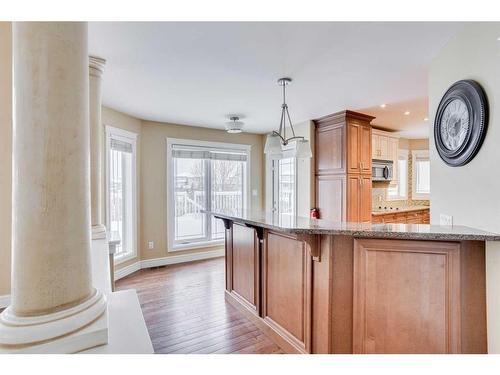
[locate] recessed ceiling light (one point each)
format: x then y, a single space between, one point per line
426 119
383 105
498 38
407 113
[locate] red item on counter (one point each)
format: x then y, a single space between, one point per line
314 213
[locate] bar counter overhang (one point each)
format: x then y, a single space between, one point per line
316 286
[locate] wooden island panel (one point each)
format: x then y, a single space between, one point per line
406 297
287 289
245 267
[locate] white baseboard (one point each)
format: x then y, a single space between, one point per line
4 301
174 259
127 270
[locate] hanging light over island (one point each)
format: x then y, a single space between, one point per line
277 143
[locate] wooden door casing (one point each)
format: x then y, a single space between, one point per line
406 297
245 267
287 289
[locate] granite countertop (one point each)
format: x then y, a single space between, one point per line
398 210
303 225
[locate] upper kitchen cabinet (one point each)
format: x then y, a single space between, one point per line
384 145
343 143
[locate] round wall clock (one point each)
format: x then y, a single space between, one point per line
461 122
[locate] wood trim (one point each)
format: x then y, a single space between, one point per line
338 117
452 253
473 297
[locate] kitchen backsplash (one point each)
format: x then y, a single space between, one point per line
379 194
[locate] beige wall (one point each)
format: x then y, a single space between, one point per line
471 193
5 154
154 171
120 120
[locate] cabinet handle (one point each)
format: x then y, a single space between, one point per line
360 165
360 182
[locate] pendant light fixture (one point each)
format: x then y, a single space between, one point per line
277 143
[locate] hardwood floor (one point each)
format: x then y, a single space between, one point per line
185 311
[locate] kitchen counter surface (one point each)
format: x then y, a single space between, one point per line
303 225
399 209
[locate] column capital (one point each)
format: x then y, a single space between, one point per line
96 66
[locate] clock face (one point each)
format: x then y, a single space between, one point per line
454 125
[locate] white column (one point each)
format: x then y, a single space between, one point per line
96 68
54 306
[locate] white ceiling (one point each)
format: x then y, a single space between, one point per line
199 73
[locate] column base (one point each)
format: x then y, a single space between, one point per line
98 231
69 331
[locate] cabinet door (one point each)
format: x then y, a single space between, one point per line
353 152
394 156
365 147
375 146
384 148
245 268
353 198
406 297
365 204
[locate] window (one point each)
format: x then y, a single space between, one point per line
421 175
121 191
204 176
398 189
284 186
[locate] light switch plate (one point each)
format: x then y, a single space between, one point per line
151 245
445 220
254 193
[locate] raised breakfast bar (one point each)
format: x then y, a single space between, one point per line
316 286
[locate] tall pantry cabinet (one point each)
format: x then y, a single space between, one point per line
344 166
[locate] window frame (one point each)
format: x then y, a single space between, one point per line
129 137
415 154
274 167
170 178
406 155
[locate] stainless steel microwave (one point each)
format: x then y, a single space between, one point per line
382 170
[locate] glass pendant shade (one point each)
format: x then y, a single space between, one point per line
303 149
273 144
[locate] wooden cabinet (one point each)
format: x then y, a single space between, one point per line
359 191
245 267
406 297
343 166
385 146
420 216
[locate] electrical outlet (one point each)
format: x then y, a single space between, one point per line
151 245
445 220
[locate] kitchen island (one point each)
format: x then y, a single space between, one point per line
316 286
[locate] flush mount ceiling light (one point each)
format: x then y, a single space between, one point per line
277 143
383 105
234 126
407 113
